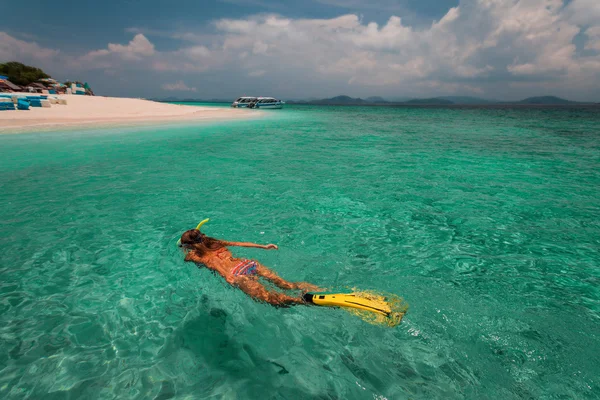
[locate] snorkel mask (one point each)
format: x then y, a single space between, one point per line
198 228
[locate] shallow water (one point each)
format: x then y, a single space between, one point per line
486 221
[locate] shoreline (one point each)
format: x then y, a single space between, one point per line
98 111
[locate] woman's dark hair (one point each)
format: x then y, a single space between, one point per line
199 242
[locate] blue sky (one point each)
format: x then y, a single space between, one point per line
504 49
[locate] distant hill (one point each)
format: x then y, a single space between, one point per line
467 100
340 100
347 100
431 101
400 99
440 101
376 99
546 100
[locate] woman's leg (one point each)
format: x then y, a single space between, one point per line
282 283
259 292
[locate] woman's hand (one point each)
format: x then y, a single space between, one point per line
271 247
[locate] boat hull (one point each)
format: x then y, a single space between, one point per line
275 106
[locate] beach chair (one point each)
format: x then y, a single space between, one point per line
6 104
6 97
22 104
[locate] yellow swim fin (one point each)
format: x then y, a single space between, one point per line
350 300
371 307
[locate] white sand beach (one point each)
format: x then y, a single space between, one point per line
92 111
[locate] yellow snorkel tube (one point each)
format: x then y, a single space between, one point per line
198 228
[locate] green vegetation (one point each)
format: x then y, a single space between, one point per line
21 74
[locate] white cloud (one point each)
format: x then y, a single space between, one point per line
13 49
137 48
583 12
52 61
178 86
260 48
593 35
198 52
368 54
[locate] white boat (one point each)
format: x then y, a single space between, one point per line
266 102
243 102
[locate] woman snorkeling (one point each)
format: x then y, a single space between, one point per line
240 272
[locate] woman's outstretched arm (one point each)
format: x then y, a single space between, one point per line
249 244
259 292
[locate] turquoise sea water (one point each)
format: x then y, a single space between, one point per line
486 221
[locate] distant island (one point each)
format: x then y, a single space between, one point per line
344 100
442 101
434 100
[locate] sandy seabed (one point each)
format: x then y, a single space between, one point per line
97 111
